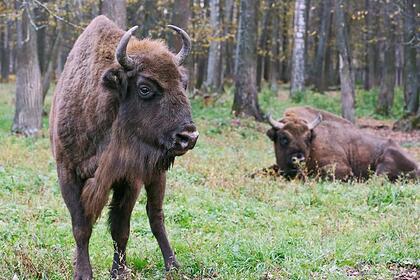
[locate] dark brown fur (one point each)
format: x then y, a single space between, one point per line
336 148
105 137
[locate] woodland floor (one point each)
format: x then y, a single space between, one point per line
222 223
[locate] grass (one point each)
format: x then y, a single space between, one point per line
221 223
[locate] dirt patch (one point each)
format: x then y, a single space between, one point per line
405 272
359 271
398 271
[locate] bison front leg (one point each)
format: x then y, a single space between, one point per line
71 188
336 171
122 204
155 194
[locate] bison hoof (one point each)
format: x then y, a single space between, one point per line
83 275
172 265
82 271
121 273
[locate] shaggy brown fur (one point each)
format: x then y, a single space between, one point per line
105 136
336 148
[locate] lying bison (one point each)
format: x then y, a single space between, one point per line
331 146
120 116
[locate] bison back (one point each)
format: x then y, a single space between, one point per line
83 110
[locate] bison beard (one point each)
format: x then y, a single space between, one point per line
144 161
120 116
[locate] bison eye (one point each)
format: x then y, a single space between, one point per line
145 91
283 141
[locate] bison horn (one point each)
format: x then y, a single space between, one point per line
315 122
121 53
275 123
186 44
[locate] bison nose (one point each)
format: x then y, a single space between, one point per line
298 158
186 139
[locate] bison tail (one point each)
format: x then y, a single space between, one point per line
94 198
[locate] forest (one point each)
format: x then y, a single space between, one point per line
226 214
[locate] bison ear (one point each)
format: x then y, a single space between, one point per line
184 77
312 136
116 80
271 133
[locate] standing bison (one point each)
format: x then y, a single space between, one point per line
331 146
120 116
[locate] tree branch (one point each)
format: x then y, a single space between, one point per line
57 16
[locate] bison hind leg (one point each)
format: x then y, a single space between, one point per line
82 227
394 163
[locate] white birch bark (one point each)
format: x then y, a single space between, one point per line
298 56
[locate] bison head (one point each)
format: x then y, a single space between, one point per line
292 139
149 84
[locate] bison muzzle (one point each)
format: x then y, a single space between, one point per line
120 116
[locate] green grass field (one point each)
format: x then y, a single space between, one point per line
222 223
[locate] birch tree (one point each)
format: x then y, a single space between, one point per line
298 56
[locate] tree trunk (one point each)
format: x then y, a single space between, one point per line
5 53
213 81
399 64
298 55
263 42
274 58
285 76
181 14
199 65
346 69
411 82
328 66
150 18
28 114
307 39
59 65
46 79
41 19
227 53
318 73
115 10
387 59
371 23
245 101
200 71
